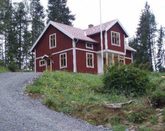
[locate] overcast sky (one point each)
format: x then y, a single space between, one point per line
127 11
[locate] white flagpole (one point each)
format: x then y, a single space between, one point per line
101 38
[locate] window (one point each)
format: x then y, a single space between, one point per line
52 41
121 59
63 60
42 63
89 60
89 45
115 38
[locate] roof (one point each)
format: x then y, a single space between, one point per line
72 32
129 48
76 33
105 27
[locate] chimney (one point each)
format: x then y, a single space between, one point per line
90 25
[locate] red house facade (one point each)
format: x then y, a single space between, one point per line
62 47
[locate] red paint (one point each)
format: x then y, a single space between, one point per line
127 61
128 53
63 42
116 28
81 62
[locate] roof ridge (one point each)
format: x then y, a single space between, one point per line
67 25
102 24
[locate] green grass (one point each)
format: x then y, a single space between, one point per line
66 92
80 95
3 69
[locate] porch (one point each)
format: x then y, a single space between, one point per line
109 58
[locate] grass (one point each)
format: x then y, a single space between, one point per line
3 69
80 95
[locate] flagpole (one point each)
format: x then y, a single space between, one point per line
101 37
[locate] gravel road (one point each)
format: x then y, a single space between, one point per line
18 112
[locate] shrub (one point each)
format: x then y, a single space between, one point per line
12 67
158 99
126 79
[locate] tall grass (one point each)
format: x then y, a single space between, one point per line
3 69
67 92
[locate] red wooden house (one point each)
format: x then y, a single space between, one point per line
63 47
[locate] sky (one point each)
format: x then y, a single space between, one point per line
126 11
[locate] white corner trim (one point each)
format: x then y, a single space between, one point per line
62 51
54 34
62 67
114 44
35 66
87 60
86 50
74 56
128 58
106 40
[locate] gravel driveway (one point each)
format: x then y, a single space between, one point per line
19 112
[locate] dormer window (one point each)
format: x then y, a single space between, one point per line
52 41
89 45
115 38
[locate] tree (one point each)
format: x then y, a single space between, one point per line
160 53
145 36
59 12
37 15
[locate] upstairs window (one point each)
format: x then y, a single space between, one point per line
52 41
63 60
115 38
89 45
89 60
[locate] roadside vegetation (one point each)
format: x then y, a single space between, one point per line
3 69
94 98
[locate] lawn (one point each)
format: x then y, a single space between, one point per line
81 96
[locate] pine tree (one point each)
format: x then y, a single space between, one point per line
37 15
59 12
160 53
145 36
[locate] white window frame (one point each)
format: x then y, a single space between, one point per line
61 67
88 47
112 39
54 34
40 63
121 58
89 66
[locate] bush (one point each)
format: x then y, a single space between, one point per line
13 67
158 99
126 79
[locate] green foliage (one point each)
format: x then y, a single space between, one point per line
154 119
13 67
145 129
160 49
163 113
126 79
119 128
115 120
59 12
158 99
3 69
145 35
